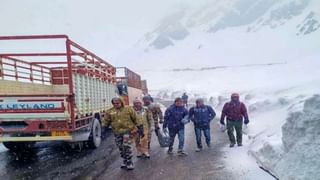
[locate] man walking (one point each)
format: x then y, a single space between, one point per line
235 111
155 110
185 99
123 121
173 118
201 115
142 144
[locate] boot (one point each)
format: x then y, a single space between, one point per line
130 166
182 153
140 155
146 155
124 165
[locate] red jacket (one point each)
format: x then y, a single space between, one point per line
234 111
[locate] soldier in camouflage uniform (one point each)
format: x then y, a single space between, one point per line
142 144
156 112
123 121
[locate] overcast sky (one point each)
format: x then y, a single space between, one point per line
105 26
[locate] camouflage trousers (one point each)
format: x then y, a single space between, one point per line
124 143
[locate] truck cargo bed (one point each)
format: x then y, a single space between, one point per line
24 88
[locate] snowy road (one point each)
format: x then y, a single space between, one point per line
51 161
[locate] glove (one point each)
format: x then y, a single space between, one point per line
222 122
246 121
185 120
165 130
140 131
222 128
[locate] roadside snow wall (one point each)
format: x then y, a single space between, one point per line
298 156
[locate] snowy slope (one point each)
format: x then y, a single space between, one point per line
215 16
276 31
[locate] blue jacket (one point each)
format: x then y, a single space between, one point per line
201 116
173 117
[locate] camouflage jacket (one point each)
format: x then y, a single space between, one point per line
146 117
156 113
122 120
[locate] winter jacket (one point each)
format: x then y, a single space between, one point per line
146 117
156 113
123 120
173 117
201 116
234 111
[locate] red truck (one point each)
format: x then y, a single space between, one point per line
129 85
144 87
52 89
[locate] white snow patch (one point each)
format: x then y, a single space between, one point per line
244 166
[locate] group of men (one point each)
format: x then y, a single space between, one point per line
133 124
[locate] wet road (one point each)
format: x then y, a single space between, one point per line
52 161
196 166
55 161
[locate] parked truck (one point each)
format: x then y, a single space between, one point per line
52 95
129 84
144 87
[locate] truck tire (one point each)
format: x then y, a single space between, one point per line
19 146
95 136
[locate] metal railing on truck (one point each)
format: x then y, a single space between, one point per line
74 63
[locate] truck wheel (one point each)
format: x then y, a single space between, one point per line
95 136
15 146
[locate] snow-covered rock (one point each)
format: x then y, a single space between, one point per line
294 156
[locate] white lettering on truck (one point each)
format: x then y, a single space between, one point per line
17 106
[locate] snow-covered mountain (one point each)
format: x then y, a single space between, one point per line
229 32
219 15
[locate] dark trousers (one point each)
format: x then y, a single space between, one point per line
172 134
206 132
237 125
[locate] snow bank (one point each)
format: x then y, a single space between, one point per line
296 155
242 165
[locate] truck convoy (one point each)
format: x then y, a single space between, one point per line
57 92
